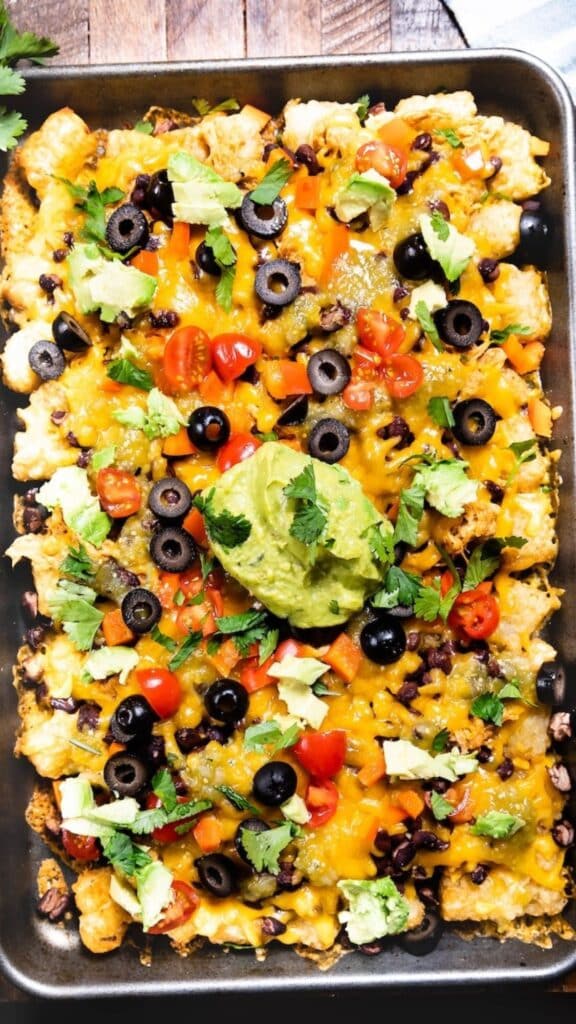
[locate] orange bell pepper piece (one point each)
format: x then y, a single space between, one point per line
146 261
373 770
335 243
397 133
214 391
178 444
283 378
307 193
540 416
115 629
345 657
179 244
524 358
208 833
410 801
225 658
194 525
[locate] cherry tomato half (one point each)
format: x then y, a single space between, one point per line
321 799
402 375
118 492
322 753
233 354
378 332
184 902
187 358
84 848
475 613
238 448
390 162
162 690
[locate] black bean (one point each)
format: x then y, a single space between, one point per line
412 641
272 926
88 716
496 162
195 739
423 839
560 726
399 428
289 878
439 206
334 317
306 155
563 833
399 293
479 875
489 270
372 948
29 603
49 283
495 491
68 704
560 778
404 854
439 658
164 318
35 636
35 518
505 770
422 142
59 255
483 754
407 692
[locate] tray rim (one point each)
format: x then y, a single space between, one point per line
323 981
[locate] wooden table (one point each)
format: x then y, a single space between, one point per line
114 31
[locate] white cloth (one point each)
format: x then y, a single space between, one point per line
546 29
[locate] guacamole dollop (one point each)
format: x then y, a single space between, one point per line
319 583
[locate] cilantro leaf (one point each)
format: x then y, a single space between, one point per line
166 641
12 126
268 736
268 645
272 183
501 336
440 741
523 451
264 848
124 855
485 559
450 136
381 544
78 564
237 800
93 203
510 691
489 708
146 127
163 787
15 45
186 648
225 256
362 107
73 607
124 371
497 825
11 82
441 808
246 628
410 513
310 519
440 225
223 528
440 410
427 324
400 588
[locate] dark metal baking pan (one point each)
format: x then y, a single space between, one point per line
48 961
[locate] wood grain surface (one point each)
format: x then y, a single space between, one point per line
115 31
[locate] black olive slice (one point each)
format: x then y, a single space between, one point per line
208 428
274 783
425 937
265 220
459 324
278 282
47 360
170 498
328 372
206 260
551 683
329 440
132 720
68 333
159 197
127 229
535 237
412 258
172 549
125 774
141 610
217 873
474 421
227 701
295 412
383 640
253 825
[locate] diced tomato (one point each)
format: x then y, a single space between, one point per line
254 676
321 753
187 358
146 261
321 799
184 902
168 833
307 191
238 448
378 332
196 617
388 161
162 690
403 375
191 581
344 656
85 848
168 586
225 658
233 353
475 613
284 377
118 492
367 366
358 395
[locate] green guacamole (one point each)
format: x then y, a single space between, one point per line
311 584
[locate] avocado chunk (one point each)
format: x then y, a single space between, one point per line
311 584
107 285
201 196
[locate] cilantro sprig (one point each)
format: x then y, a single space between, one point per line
440 410
93 203
310 514
225 256
268 737
224 527
78 564
124 371
500 336
263 849
272 183
427 324
449 136
245 629
16 46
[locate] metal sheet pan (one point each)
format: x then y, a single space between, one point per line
50 962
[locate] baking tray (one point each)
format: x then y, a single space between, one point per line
47 961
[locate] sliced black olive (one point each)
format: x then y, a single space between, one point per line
459 324
125 774
474 421
132 720
265 220
141 610
170 498
160 196
278 282
206 260
328 372
68 333
47 360
551 683
127 229
295 412
383 640
329 440
217 874
253 825
535 235
425 937
172 549
412 258
274 783
208 428
226 701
